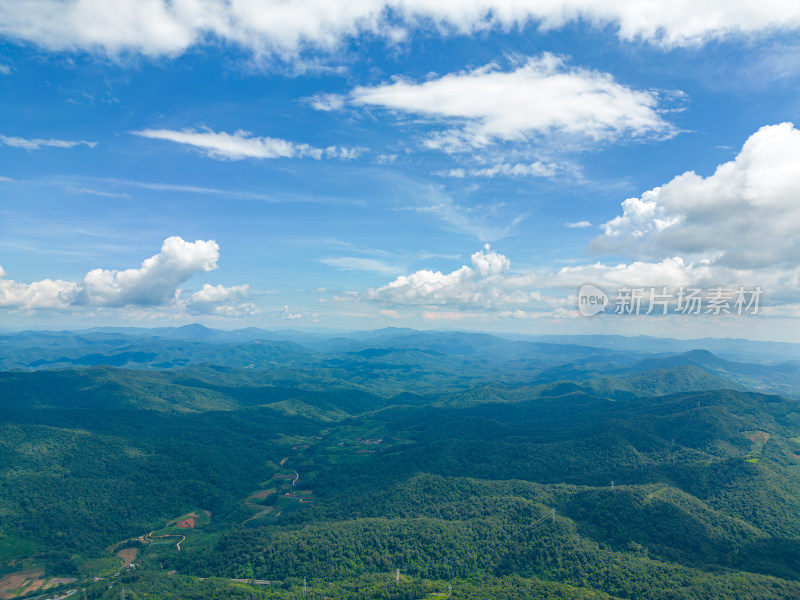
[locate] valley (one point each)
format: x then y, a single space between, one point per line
648 477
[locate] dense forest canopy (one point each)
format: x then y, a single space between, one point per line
397 465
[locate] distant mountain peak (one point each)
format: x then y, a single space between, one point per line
193 330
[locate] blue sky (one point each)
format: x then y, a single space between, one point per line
344 165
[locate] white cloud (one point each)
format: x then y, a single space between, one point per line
155 284
739 226
5 69
534 169
326 102
287 314
485 222
222 301
539 97
485 283
7 179
671 272
242 144
47 293
345 153
354 263
286 29
578 224
386 159
744 215
187 189
489 285
92 192
156 281
36 143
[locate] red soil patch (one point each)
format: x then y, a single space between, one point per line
187 524
263 494
128 555
177 522
20 583
757 437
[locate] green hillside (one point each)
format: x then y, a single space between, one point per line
672 482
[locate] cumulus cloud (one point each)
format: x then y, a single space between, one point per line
485 283
156 281
540 97
488 284
37 143
740 226
745 215
287 314
242 144
47 293
155 284
222 301
286 29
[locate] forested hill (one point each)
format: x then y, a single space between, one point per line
478 467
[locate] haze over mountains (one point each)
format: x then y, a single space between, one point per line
764 366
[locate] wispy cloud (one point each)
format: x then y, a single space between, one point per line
97 193
186 189
578 224
356 248
242 144
534 169
385 159
326 102
357 263
480 221
169 187
37 143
